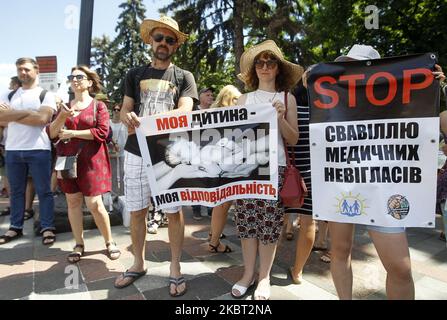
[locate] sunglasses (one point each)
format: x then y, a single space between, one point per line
117 110
271 64
78 77
169 40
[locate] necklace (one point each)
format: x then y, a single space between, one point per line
262 98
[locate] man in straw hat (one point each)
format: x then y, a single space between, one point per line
156 87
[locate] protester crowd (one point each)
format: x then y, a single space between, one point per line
93 154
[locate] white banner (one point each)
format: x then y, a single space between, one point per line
212 156
377 172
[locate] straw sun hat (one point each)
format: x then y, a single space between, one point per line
248 57
164 22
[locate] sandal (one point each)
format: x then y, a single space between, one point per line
222 236
113 253
442 236
262 293
75 256
241 289
6 238
51 237
326 257
176 282
29 213
215 249
289 236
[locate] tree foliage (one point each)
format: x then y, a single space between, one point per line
308 31
127 50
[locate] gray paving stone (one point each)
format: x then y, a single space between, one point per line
104 289
14 288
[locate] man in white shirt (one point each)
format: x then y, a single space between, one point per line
26 112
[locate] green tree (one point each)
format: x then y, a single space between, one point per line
101 58
128 49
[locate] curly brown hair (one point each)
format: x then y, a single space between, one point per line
283 80
92 76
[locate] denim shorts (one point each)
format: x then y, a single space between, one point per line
385 229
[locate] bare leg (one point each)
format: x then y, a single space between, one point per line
249 252
392 249
75 216
138 236
53 181
342 235
218 221
100 215
266 256
304 245
176 231
321 241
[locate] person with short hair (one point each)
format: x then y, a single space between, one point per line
157 87
28 149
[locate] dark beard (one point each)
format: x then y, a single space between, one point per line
162 56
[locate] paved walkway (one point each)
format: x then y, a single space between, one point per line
30 270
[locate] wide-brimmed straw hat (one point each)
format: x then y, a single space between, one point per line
164 22
248 57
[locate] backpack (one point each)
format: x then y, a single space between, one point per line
41 96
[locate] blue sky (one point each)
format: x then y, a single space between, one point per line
50 27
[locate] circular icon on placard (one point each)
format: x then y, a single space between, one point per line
398 206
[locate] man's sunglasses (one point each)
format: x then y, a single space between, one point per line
117 110
259 64
78 77
169 40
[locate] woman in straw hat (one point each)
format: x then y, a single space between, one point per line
265 70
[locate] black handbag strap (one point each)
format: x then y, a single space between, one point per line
292 148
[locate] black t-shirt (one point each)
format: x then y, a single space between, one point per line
155 91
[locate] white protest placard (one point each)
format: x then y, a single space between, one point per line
209 157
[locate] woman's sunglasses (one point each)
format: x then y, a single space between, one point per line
169 40
271 64
78 77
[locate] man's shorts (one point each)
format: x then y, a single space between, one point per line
386 229
136 185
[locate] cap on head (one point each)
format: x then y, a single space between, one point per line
359 52
203 90
149 25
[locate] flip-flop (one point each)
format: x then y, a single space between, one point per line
176 282
132 275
